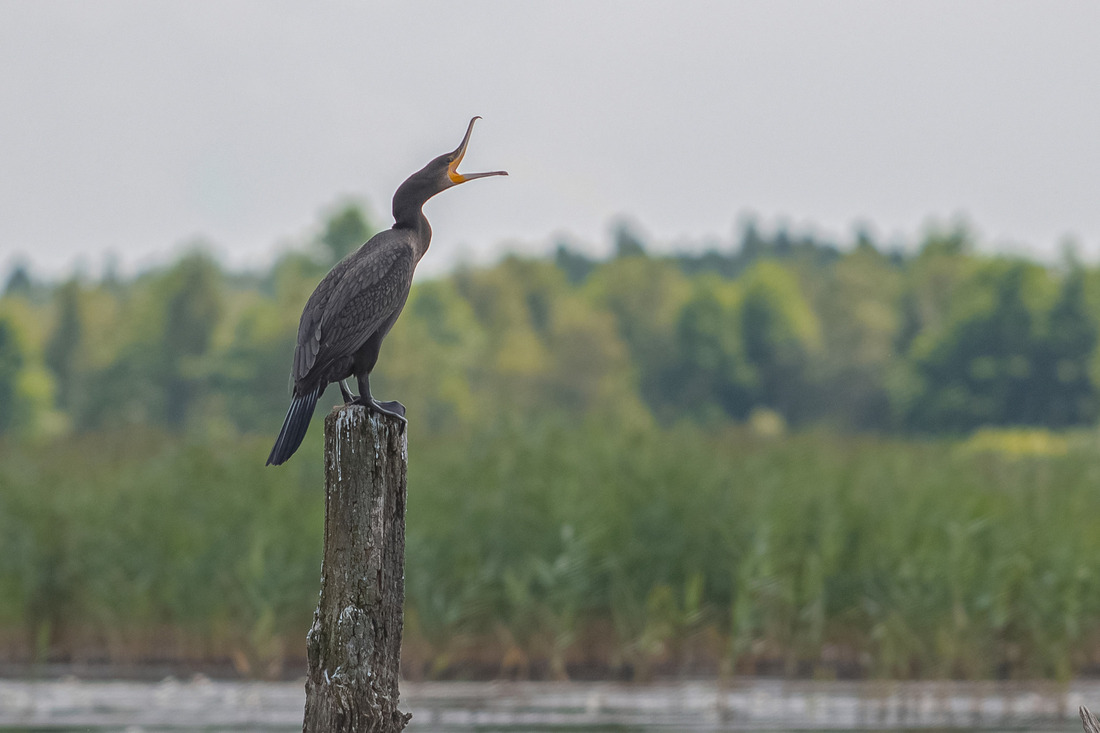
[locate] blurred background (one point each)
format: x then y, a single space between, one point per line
777 353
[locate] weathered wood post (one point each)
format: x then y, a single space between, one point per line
354 645
1088 720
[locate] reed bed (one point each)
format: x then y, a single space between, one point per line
552 549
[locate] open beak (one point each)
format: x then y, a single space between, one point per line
459 154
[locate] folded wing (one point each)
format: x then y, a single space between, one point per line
363 294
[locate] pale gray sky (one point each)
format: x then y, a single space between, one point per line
130 127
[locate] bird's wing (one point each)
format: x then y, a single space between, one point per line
374 283
309 334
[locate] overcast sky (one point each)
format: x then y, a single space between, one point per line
134 127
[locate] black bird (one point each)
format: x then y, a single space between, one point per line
359 300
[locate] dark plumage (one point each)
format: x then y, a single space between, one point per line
359 300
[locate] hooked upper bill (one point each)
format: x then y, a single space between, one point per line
460 153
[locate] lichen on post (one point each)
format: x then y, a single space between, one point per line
354 644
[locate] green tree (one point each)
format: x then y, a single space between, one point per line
436 352
516 304
12 362
781 336
752 244
857 303
955 240
628 242
575 265
345 230
981 369
192 310
65 345
19 282
1065 393
645 297
25 387
252 373
710 375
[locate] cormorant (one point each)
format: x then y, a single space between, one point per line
359 300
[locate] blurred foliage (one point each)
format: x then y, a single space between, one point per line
563 547
779 455
941 341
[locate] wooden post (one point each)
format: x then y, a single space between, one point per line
1088 720
354 645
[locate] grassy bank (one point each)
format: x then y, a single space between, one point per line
546 549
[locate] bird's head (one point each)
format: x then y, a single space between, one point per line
438 175
451 160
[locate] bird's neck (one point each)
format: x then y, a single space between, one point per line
416 223
408 211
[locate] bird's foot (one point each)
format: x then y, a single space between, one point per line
392 408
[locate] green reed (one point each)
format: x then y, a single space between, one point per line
537 548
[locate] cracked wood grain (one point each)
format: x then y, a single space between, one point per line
354 644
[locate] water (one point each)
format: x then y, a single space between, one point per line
494 707
298 728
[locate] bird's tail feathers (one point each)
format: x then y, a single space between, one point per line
294 426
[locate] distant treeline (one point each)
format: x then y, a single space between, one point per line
933 338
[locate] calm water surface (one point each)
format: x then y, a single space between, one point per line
743 705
